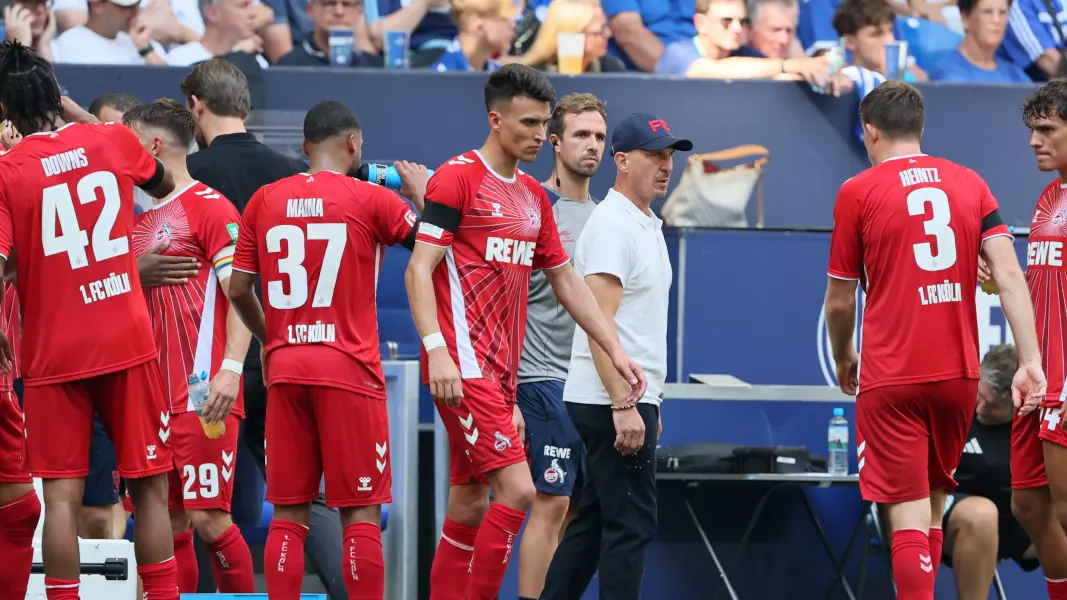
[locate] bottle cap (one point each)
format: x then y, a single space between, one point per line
839 412
203 375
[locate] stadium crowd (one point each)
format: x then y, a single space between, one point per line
954 40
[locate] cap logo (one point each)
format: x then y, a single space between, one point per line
658 124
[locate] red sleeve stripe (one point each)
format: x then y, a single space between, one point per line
843 277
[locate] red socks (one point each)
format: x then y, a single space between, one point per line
363 563
231 563
283 559
60 589
1057 589
451 569
492 551
18 521
913 567
937 544
160 580
185 562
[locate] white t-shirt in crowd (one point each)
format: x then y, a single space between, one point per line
195 52
83 46
620 240
187 11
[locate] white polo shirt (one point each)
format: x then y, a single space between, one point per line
621 240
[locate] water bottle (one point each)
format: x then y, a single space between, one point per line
198 391
838 437
382 175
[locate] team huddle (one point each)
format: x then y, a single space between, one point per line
161 366
914 230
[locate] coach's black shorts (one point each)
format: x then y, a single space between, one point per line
1013 540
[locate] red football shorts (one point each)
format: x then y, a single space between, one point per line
315 431
132 407
910 438
202 478
1027 454
12 441
481 434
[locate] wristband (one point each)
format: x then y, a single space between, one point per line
783 65
625 406
146 50
433 341
232 366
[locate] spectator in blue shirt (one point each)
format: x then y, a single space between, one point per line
867 26
293 25
642 28
485 31
326 15
714 52
427 22
1032 41
985 22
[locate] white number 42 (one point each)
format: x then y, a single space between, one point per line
58 205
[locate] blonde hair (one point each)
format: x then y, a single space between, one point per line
563 16
464 12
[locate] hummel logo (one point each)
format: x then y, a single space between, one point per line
466 423
164 418
972 447
227 458
472 437
164 435
381 448
227 473
924 563
380 464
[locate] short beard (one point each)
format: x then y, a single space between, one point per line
581 170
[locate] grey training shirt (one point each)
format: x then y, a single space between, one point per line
546 352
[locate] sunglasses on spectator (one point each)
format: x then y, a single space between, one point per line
728 21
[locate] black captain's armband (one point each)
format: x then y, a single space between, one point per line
441 215
156 179
991 220
409 241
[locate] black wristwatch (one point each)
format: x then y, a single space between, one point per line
146 51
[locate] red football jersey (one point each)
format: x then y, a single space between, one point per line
910 230
12 326
316 243
200 223
496 231
66 205
1046 276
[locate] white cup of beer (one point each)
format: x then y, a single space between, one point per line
570 53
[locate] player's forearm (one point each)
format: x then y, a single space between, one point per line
237 335
575 296
419 283
840 324
242 294
1015 301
